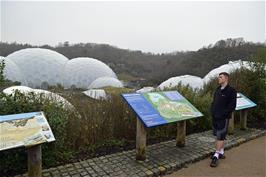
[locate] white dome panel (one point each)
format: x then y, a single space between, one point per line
105 82
193 81
145 89
53 97
12 71
96 94
81 72
22 89
40 66
229 68
39 92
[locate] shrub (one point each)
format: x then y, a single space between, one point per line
251 83
15 160
2 66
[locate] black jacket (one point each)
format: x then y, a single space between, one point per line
224 103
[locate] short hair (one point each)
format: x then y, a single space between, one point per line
225 74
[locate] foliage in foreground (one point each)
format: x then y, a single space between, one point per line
96 124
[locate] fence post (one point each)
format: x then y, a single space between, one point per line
141 135
35 161
231 125
243 119
181 133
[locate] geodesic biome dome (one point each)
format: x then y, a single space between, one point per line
12 71
22 89
145 89
81 72
229 68
105 82
39 66
193 81
98 94
39 93
53 97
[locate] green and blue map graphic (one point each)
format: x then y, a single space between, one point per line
158 108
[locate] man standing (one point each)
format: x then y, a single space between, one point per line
224 103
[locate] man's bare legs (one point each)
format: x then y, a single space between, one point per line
219 145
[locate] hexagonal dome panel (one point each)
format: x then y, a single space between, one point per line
39 66
12 71
81 72
193 81
39 92
229 68
105 82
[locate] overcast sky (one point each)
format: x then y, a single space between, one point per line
155 27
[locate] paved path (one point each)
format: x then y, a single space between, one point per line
164 158
246 160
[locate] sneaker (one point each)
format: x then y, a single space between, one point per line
221 156
214 162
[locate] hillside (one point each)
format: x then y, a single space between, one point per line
154 68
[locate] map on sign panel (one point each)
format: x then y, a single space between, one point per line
158 108
170 109
26 129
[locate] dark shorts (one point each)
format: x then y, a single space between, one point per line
220 128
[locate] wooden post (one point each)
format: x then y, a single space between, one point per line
231 125
35 161
140 141
181 133
243 119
